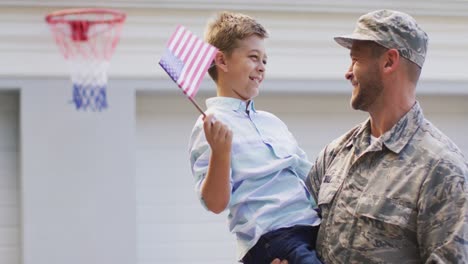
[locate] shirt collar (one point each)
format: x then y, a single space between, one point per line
398 136
231 104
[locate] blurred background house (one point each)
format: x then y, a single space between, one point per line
115 187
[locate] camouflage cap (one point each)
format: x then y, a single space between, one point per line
392 30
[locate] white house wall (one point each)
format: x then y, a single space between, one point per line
301 45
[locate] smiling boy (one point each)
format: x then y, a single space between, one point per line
246 160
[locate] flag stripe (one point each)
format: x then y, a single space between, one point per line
188 62
189 47
182 43
203 69
193 77
175 38
177 43
193 66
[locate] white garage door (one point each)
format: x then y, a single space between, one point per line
172 225
9 202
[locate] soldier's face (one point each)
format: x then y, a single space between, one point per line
365 76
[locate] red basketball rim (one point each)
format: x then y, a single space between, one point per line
63 16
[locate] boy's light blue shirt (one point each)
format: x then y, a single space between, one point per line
268 170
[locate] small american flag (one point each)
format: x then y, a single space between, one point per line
187 59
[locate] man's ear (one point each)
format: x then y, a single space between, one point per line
220 61
391 60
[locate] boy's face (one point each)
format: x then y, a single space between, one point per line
245 69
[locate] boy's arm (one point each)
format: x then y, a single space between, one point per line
216 189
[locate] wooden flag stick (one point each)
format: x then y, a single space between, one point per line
197 106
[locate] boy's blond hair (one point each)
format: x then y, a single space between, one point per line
226 29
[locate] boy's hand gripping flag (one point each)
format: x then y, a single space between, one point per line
186 60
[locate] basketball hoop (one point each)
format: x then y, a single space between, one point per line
87 39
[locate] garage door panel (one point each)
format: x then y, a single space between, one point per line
320 128
154 160
166 194
169 189
185 261
202 252
183 233
167 132
151 214
172 186
314 130
168 104
158 183
303 104
198 238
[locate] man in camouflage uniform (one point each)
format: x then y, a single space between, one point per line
394 188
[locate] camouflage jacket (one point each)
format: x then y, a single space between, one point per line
402 199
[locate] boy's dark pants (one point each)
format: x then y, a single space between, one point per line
295 244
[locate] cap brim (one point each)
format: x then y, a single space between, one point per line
347 40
